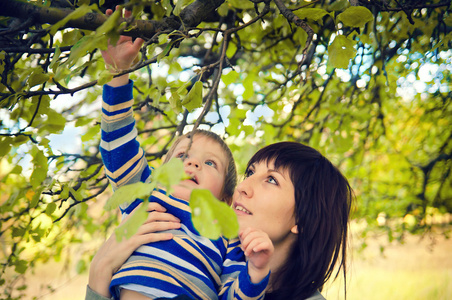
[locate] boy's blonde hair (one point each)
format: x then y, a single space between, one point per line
230 178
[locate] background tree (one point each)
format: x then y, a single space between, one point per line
365 82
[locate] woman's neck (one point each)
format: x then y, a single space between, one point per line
280 257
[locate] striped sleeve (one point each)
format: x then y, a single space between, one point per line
124 160
236 283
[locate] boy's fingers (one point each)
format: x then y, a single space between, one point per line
155 237
138 43
127 13
156 216
155 206
157 227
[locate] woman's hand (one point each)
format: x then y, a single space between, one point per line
112 254
258 249
121 56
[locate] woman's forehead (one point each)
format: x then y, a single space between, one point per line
271 163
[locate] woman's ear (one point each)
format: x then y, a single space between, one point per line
294 229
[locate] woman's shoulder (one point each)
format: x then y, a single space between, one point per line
276 296
316 296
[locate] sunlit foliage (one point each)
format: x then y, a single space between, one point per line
368 84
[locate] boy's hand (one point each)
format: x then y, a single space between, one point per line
121 56
258 249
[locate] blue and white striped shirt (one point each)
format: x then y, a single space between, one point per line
189 263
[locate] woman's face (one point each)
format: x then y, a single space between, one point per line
265 200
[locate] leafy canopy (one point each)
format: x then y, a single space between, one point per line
368 85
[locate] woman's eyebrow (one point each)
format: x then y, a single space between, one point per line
277 171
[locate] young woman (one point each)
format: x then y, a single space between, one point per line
291 192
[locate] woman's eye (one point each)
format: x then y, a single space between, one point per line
211 163
180 155
248 173
272 180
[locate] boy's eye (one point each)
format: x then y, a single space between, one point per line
211 163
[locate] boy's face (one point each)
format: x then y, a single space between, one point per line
205 162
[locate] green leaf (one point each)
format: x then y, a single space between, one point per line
50 208
76 14
83 121
37 77
444 41
340 52
36 197
248 85
76 194
211 217
21 266
16 170
311 13
130 227
40 168
104 77
90 134
5 145
355 16
165 51
175 102
169 174
223 9
110 29
179 5
128 193
17 231
232 49
241 4
229 78
448 20
194 97
98 39
248 129
79 49
81 266
54 62
55 118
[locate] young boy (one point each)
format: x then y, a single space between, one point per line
189 264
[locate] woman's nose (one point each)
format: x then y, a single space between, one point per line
245 187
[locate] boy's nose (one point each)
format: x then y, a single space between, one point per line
190 161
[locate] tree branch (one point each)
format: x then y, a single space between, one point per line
291 17
191 16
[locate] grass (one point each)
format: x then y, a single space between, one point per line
417 269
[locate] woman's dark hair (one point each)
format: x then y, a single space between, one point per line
323 199
230 178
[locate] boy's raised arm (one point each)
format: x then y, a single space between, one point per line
122 155
121 56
